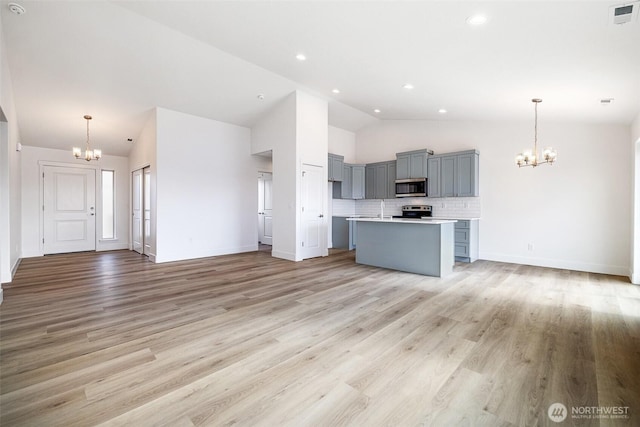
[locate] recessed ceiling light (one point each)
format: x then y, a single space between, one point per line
336 91
301 57
260 96
476 20
376 111
16 8
606 101
407 86
442 111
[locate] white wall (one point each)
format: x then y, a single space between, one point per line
207 192
276 132
10 204
575 213
296 132
635 197
32 158
312 135
343 143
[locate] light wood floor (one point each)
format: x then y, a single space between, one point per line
249 340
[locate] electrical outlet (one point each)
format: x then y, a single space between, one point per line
443 205
466 205
530 247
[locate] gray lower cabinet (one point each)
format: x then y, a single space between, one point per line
353 229
380 180
340 232
343 233
466 240
454 174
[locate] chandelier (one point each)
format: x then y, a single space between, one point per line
89 154
530 158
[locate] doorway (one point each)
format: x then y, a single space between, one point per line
69 214
141 210
265 208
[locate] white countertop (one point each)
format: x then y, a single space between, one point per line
434 221
457 219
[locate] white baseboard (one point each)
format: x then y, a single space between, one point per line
215 252
635 278
111 246
614 270
15 267
284 255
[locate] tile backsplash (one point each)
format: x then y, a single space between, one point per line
445 207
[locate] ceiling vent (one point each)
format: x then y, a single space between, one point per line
624 13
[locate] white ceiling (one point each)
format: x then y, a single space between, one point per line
118 60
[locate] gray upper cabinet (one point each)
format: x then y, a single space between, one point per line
412 164
380 180
468 174
433 176
357 179
352 185
391 179
448 176
336 167
403 165
457 177
346 184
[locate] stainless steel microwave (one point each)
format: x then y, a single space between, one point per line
413 187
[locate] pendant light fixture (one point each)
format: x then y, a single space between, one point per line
89 154
530 158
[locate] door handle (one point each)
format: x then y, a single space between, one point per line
320 216
92 214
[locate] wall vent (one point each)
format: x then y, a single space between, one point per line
624 13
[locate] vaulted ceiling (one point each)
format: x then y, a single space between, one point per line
117 60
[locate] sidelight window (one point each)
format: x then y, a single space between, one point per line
108 205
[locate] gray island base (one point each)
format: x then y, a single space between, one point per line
415 246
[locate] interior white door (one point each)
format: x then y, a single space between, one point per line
146 191
69 196
313 221
137 211
265 208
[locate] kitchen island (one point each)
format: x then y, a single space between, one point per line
422 246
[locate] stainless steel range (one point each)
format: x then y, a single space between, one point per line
415 211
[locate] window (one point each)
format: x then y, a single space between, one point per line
108 205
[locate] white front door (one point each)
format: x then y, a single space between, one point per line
137 211
313 221
265 208
69 223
